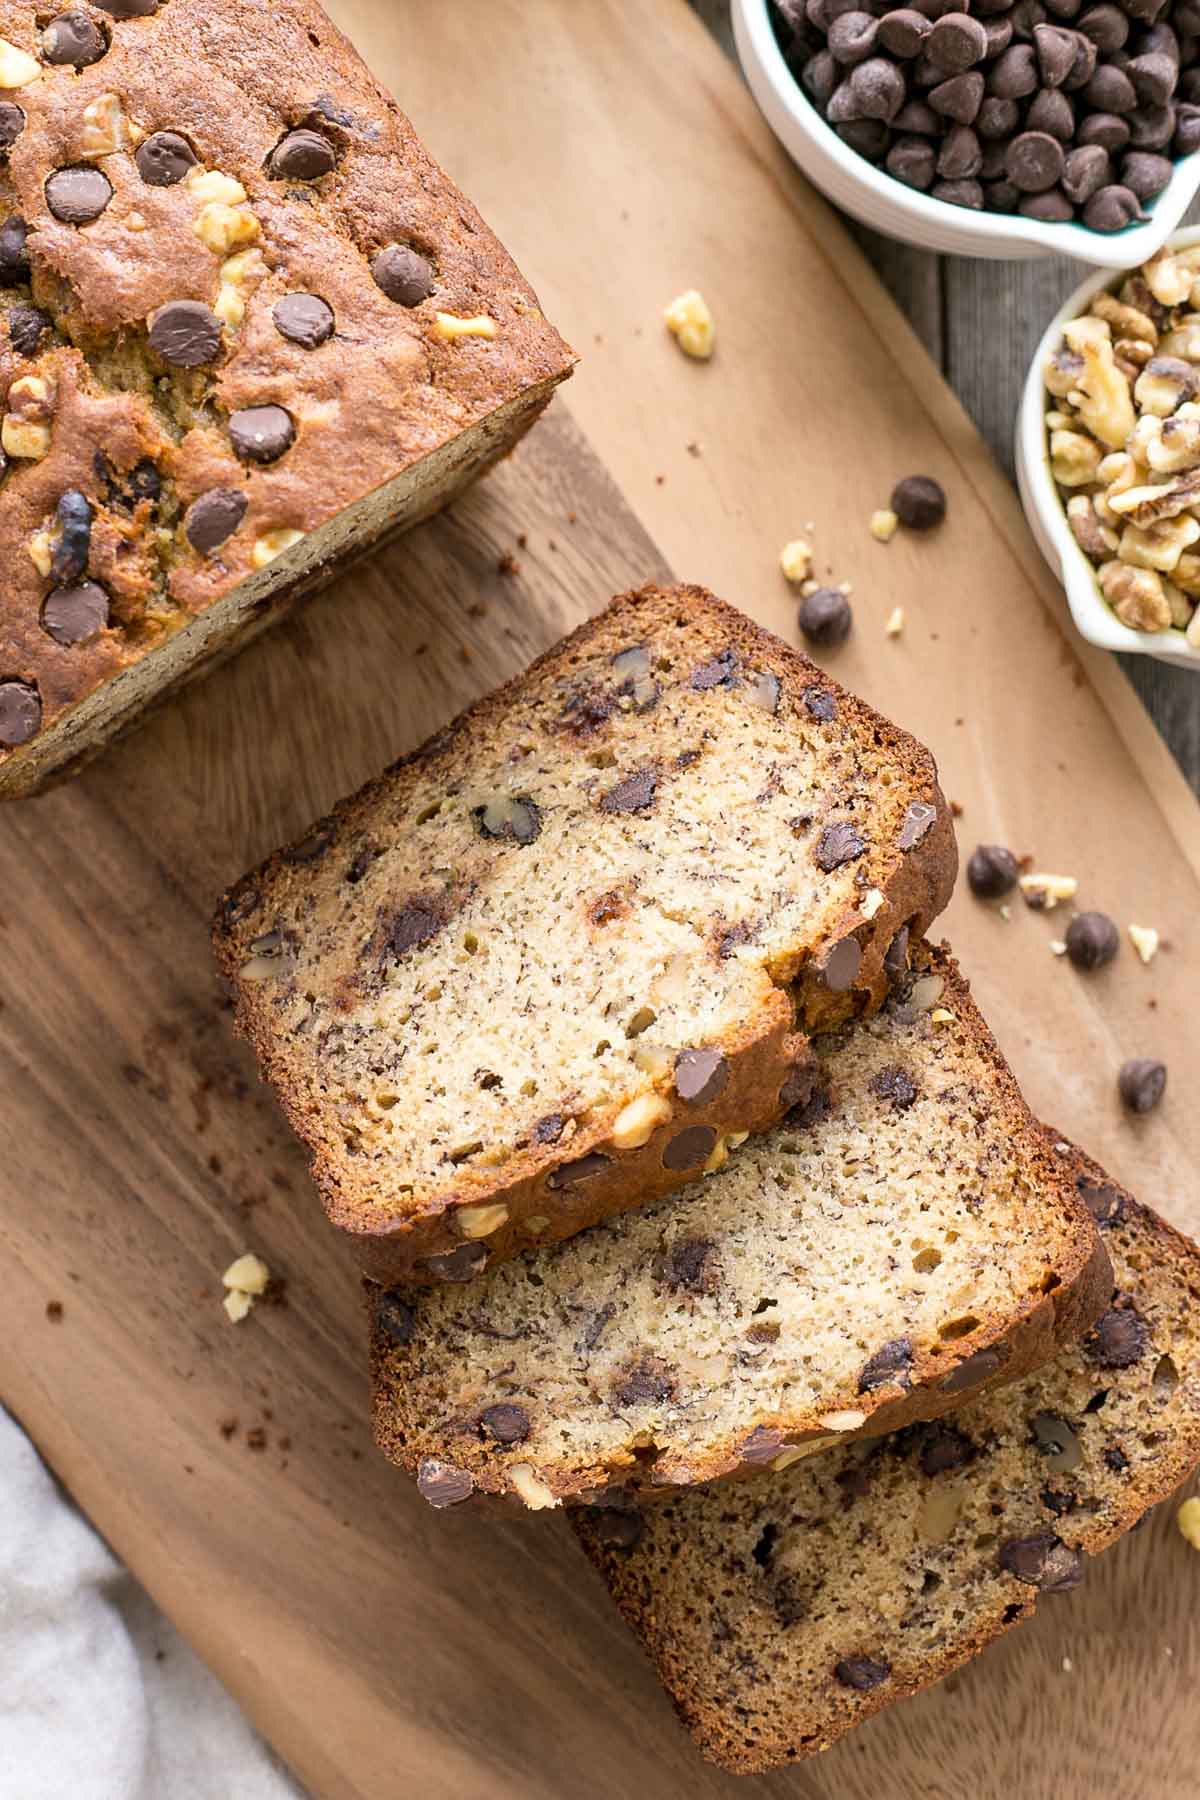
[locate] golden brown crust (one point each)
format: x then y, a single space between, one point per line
367 404
905 888
749 1645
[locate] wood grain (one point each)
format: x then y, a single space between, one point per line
384 1649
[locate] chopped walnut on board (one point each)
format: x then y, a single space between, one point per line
1123 441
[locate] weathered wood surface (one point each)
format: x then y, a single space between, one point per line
385 1650
980 322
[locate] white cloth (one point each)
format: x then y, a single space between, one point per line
100 1698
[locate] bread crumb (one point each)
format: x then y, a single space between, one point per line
895 623
882 525
1067 1665
227 1427
249 1274
1145 941
1058 946
795 559
256 1438
54 1311
694 448
691 324
508 564
1188 1521
956 809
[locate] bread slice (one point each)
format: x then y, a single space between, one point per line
544 967
782 1612
904 1237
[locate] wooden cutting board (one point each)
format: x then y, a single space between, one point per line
384 1649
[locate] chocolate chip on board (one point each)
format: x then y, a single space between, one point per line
1092 940
77 195
20 713
1141 1083
825 617
164 159
442 1484
992 871
76 614
919 502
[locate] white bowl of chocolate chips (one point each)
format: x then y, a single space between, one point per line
993 128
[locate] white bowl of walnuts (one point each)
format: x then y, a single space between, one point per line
1108 454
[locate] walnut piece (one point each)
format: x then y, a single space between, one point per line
1136 596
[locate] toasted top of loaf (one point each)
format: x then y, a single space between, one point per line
172 256
784 1611
905 1236
671 834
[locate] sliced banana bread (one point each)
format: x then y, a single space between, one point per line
903 1237
540 970
782 1612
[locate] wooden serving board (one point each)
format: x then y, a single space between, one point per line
387 1650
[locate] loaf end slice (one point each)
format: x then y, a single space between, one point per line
903 1239
783 1612
551 964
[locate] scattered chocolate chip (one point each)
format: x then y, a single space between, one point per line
689 1266
825 618
1105 1202
646 1382
261 434
442 1484
77 195
615 1528
896 1086
840 969
973 1369
462 1264
1092 940
301 156
1141 1083
919 502
213 518
164 159
992 872
944 1448
890 1366
506 1423
1042 1561
74 615
633 795
20 712
1119 1338
14 264
12 123
74 39
186 333
395 1319
700 1075
582 1169
862 1673
27 326
838 844
303 319
694 1145
402 274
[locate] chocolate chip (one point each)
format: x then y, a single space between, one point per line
961 155
582 1169
819 703
903 32
395 1319
700 1075
913 161
825 617
77 195
462 1264
838 844
999 37
919 502
74 615
1057 1442
956 43
303 319
973 1369
840 968
129 9
819 77
164 158
1084 66
261 434
878 89
720 671
959 98
851 37
1110 90
1042 1561
1106 130
75 39
896 1086
20 712
694 1145
442 1484
1034 161
69 558
1106 26
895 961
185 333
12 123
506 1423
1119 1339
1141 1082
862 1673
645 1383
213 518
1086 170
889 1367
412 926
1105 1202
1014 74
959 193
27 326
690 1266
14 264
633 795
1187 130
761 1447
1054 48
301 156
916 824
1116 1459
916 116
1144 174
1052 112
943 1448
1151 127
992 872
1092 940
1052 207
402 274
615 1528
1154 77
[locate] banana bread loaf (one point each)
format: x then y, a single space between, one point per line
901 1239
247 328
782 1612
544 967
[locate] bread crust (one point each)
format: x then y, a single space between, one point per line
767 1053
790 1713
390 417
